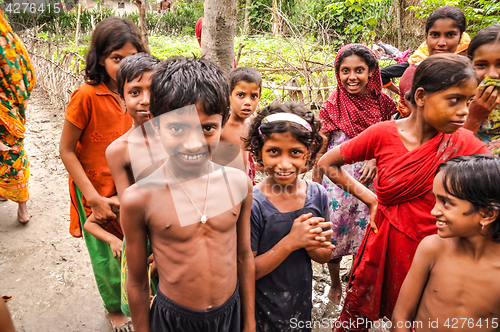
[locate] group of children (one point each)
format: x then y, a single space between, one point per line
162 156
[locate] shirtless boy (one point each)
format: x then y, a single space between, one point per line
453 283
133 81
196 213
245 86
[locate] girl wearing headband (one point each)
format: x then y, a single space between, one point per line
357 103
289 216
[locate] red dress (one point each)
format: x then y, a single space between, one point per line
404 191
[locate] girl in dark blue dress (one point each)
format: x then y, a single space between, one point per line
288 217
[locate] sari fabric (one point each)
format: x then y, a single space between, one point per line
17 81
404 190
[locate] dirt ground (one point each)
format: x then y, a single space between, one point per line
47 271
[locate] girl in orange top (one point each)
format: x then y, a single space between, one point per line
95 117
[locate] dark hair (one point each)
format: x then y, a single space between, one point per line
180 81
245 74
447 12
259 131
110 35
362 52
440 72
133 67
475 178
485 36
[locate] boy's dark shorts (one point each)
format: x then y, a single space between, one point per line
168 316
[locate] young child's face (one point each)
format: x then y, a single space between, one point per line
447 110
187 134
244 99
136 97
443 37
283 157
112 61
354 74
486 61
453 215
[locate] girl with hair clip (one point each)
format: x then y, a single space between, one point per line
289 220
484 117
357 103
95 117
407 154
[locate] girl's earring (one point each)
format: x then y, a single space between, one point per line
482 227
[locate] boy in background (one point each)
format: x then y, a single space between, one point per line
245 88
196 213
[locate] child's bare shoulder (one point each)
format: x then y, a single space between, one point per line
119 147
237 180
434 245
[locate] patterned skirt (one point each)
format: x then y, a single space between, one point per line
14 171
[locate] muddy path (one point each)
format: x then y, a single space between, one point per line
47 271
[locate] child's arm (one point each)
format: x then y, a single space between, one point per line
485 100
118 158
135 231
101 206
321 255
246 267
330 165
304 234
97 231
414 284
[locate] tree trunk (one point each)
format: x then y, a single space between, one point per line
246 24
219 28
276 19
142 20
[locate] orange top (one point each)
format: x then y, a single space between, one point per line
96 111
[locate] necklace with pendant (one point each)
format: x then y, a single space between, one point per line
204 214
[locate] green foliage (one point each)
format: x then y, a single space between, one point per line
479 13
260 13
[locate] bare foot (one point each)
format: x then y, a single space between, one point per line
335 294
22 213
118 320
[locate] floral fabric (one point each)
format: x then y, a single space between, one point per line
349 215
489 132
16 82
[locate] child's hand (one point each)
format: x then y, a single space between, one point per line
368 172
102 209
373 212
485 100
305 231
321 235
4 147
116 246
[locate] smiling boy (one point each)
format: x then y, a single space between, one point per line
196 213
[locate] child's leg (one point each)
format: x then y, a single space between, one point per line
106 268
335 294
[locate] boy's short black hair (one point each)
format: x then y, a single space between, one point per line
245 74
258 130
133 67
181 81
475 178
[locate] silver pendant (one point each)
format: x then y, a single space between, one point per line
203 219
